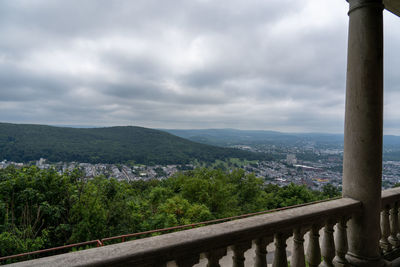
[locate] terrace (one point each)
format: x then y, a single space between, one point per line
360 229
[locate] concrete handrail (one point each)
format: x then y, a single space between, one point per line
186 246
390 228
390 196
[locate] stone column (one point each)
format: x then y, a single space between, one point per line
362 159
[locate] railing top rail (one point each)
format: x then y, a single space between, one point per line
214 221
101 242
390 196
198 240
91 242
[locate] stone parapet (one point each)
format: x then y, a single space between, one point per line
184 247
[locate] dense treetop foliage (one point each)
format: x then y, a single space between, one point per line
23 143
43 209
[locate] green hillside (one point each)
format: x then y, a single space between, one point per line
25 142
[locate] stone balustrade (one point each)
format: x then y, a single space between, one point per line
390 228
185 247
356 216
308 222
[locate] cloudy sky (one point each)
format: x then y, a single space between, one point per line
255 64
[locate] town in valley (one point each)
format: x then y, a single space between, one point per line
301 165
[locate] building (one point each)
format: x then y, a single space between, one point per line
291 159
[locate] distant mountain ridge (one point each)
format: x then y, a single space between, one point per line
27 142
228 137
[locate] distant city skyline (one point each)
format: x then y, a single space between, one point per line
256 65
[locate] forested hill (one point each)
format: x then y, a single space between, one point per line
25 142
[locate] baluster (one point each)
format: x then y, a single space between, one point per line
314 250
280 258
394 226
341 245
188 261
328 245
214 256
238 253
298 257
385 230
398 222
260 260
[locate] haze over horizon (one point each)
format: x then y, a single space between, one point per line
166 129
254 65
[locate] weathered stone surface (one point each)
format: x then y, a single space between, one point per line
175 245
393 6
362 158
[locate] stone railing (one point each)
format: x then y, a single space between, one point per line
390 228
185 247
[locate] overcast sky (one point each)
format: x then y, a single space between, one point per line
255 64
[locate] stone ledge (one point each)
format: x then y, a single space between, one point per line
390 196
195 241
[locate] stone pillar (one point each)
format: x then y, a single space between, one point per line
362 159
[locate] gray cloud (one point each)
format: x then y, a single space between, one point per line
276 65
